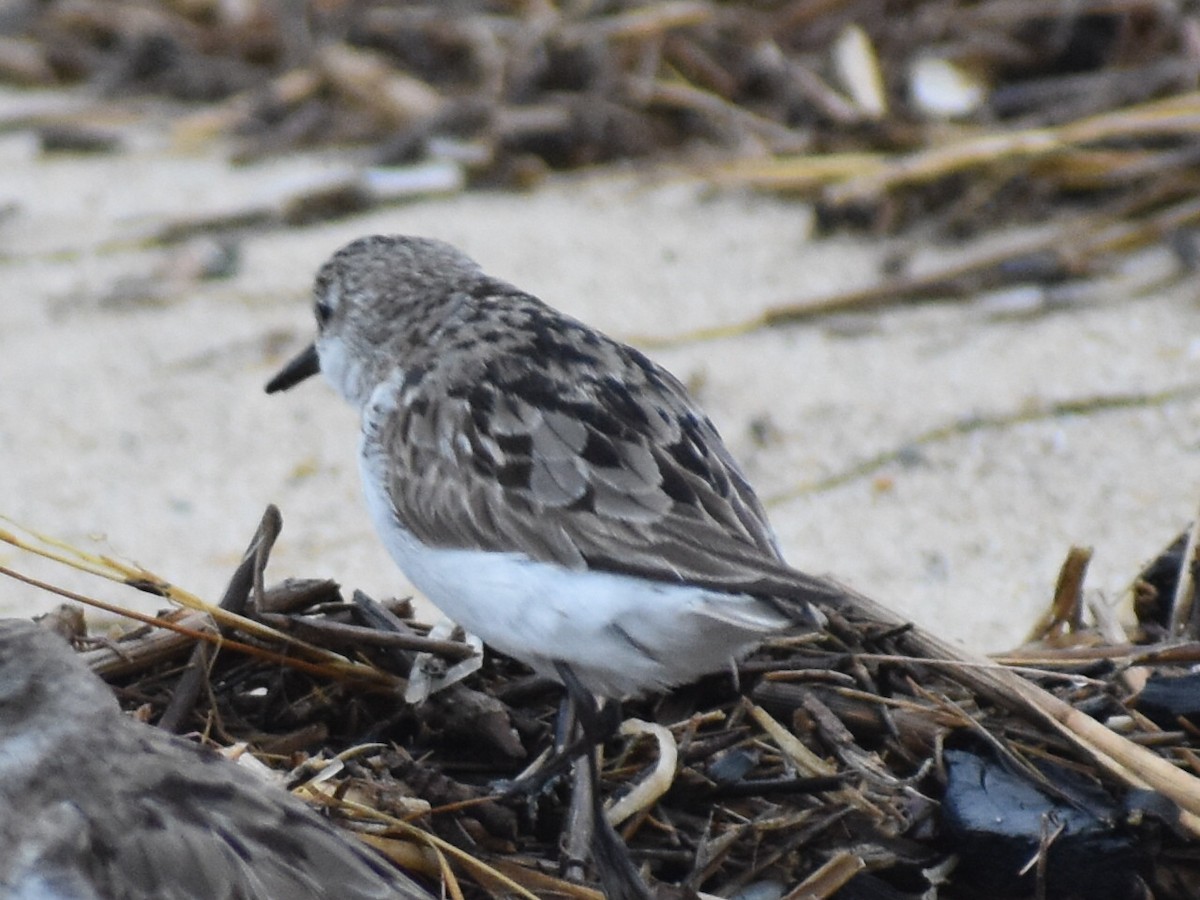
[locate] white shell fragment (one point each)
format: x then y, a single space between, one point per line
857 68
940 89
428 676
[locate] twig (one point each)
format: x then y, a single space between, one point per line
246 578
1182 614
1066 608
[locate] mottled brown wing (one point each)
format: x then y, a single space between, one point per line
607 472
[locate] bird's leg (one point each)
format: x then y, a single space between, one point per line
618 874
568 744
598 724
564 724
578 823
614 865
583 726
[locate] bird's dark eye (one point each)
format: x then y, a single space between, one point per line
323 311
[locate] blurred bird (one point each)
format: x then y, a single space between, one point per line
96 805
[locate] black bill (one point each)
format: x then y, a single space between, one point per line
306 363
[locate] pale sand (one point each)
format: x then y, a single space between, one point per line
144 432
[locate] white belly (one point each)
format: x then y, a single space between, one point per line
620 634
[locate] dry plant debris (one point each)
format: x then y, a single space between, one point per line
868 760
960 116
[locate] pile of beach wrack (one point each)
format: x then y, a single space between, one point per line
868 760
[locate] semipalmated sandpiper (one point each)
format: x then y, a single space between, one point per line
547 487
